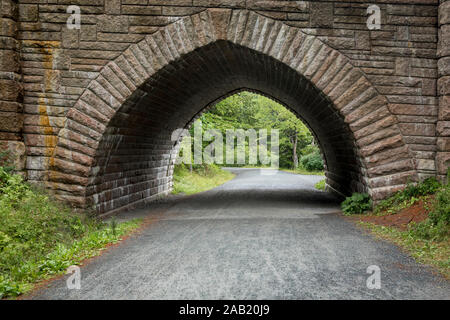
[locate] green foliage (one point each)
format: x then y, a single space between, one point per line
12 188
6 161
40 237
312 162
247 110
310 148
9 288
408 196
437 226
357 203
320 185
203 177
441 212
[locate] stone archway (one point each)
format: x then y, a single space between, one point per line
114 150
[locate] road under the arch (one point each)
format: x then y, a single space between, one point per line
255 237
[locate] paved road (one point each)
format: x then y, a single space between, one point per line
256 237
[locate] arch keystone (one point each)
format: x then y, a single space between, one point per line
220 19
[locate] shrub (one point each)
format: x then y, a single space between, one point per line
312 162
437 226
441 211
320 185
12 188
357 203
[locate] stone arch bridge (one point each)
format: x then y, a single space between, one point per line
89 112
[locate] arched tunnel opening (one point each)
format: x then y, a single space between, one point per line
134 160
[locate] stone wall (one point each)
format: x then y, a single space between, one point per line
400 61
11 93
443 126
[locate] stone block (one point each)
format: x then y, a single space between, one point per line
9 61
443 86
28 12
70 38
10 90
321 14
443 144
443 128
442 162
88 32
11 121
112 23
112 6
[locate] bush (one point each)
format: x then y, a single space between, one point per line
437 226
441 211
320 185
312 162
357 203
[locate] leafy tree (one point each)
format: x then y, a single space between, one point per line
294 135
246 110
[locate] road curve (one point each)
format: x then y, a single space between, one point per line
262 235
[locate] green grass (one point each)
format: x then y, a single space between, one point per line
320 185
40 238
202 178
301 170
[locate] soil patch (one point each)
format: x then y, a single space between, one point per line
415 213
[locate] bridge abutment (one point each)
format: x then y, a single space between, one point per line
11 91
443 125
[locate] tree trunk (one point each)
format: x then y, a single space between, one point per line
294 152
